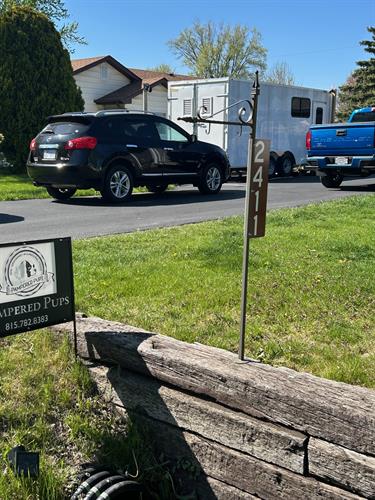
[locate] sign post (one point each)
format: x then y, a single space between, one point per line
256 183
36 285
255 215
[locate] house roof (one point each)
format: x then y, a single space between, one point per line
149 76
138 78
80 65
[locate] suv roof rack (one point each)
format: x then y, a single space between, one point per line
77 113
117 111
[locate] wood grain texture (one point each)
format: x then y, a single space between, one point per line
269 442
333 411
241 471
342 466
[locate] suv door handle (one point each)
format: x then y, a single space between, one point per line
168 149
131 145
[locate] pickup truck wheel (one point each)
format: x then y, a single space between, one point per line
157 188
61 193
118 184
211 180
332 181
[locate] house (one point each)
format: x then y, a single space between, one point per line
106 84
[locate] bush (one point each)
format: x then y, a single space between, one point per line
36 79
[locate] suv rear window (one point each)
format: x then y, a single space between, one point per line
65 128
363 117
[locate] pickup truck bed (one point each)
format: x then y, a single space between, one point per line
343 149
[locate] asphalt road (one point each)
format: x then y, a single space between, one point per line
87 217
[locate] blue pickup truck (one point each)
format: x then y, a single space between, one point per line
344 149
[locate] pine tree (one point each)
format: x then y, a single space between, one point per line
359 89
36 79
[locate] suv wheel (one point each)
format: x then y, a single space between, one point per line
61 193
118 184
157 188
332 180
212 179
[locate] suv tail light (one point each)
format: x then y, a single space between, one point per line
308 140
81 143
33 145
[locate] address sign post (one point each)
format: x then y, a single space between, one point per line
256 186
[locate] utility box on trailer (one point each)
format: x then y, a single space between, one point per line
285 114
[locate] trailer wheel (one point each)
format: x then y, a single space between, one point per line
272 167
332 180
286 165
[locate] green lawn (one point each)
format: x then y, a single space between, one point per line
47 403
311 286
311 307
20 187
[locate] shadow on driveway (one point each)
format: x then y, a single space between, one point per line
9 219
152 199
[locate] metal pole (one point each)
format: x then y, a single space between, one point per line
75 335
145 103
246 247
195 107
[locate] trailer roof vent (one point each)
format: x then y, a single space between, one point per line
187 107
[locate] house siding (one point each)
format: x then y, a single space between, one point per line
93 86
157 101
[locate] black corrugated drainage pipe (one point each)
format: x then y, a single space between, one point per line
103 482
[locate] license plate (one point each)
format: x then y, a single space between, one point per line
342 160
49 155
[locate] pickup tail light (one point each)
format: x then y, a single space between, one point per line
308 140
33 145
81 143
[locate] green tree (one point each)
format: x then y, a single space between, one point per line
214 51
359 89
279 73
163 68
36 79
56 11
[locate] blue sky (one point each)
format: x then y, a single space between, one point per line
318 39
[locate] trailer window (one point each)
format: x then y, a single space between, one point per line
301 107
319 116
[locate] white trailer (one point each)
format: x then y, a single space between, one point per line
285 114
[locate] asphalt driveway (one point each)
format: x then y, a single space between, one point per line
86 217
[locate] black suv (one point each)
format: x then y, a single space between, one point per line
113 151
